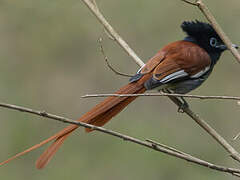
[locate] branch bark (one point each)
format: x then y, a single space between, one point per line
148 143
93 7
236 98
233 153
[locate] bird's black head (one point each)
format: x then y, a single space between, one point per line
205 36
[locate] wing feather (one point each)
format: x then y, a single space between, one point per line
181 59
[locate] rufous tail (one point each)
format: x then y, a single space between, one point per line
98 115
101 117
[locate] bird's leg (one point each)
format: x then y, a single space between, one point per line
182 102
183 106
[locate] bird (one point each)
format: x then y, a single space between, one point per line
178 67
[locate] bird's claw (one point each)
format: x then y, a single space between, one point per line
183 106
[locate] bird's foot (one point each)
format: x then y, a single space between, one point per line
183 106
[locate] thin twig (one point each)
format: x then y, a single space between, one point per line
236 137
234 154
167 147
189 2
108 64
204 9
108 35
237 175
165 94
152 145
95 4
112 32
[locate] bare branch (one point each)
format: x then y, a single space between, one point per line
234 154
165 94
108 64
204 9
150 144
167 147
108 35
112 32
189 2
236 137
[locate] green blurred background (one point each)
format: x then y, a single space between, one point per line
50 57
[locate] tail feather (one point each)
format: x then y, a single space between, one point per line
49 152
107 116
29 149
100 120
99 115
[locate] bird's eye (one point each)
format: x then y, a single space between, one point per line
213 42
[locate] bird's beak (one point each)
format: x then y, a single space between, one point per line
235 46
223 47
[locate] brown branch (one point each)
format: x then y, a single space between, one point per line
234 154
165 94
204 9
149 144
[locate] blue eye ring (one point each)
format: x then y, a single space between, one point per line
213 42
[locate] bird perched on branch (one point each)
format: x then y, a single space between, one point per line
178 67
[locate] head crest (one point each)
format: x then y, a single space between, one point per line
198 29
